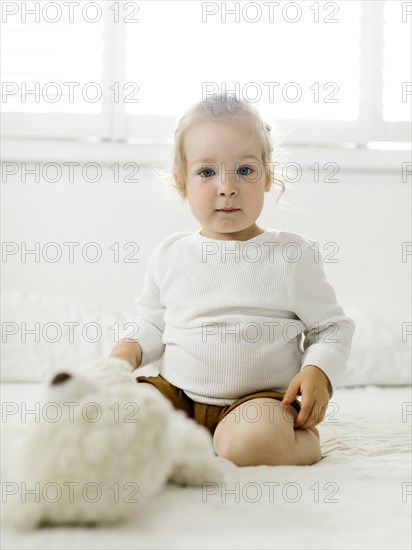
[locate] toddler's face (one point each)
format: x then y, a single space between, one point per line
224 168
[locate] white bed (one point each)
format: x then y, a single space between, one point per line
358 496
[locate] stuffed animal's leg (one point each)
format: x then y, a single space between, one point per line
196 462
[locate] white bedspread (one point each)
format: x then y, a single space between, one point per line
358 496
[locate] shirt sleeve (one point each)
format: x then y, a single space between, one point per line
328 336
147 326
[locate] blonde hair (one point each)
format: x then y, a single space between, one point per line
217 106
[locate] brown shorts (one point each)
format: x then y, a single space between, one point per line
204 414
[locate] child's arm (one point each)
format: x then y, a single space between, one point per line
144 345
315 388
328 336
129 350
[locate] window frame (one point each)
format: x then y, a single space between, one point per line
114 125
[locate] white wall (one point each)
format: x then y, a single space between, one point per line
368 216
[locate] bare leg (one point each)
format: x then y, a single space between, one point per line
261 431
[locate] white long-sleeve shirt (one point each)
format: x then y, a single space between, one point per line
228 318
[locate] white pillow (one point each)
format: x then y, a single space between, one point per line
54 346
378 355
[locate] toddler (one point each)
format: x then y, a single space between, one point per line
242 318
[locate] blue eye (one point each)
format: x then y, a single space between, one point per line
243 170
207 173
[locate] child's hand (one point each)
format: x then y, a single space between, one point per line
314 386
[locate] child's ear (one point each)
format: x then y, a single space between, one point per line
268 185
179 183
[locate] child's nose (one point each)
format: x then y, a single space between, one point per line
228 182
227 190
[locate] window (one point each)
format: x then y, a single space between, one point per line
397 47
52 71
328 72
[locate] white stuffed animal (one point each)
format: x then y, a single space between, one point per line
102 446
